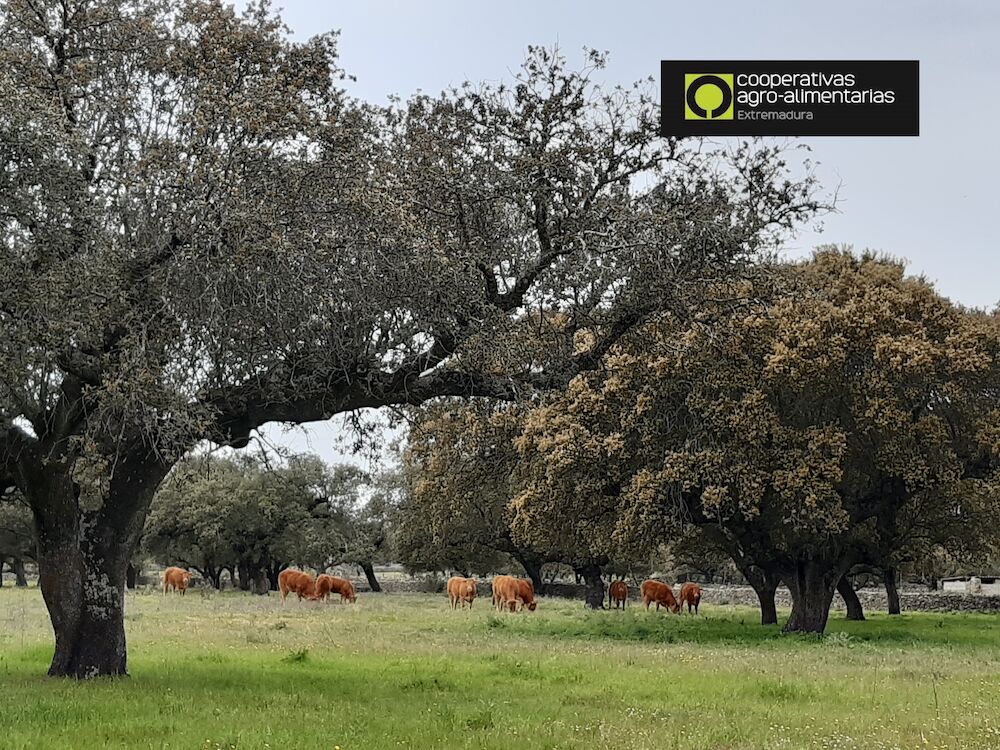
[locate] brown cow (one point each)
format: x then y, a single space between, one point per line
502 587
617 594
326 585
661 593
176 579
526 593
690 595
461 590
302 584
508 592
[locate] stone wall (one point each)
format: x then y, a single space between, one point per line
871 599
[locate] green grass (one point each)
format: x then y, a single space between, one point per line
234 671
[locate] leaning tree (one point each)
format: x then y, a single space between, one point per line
200 234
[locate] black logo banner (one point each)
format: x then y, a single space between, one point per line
788 97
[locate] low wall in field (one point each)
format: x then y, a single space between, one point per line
871 599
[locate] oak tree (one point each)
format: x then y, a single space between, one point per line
200 234
803 432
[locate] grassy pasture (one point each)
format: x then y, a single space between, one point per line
234 671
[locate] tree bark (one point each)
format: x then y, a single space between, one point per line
764 582
891 592
812 584
594 591
854 609
369 570
20 578
86 537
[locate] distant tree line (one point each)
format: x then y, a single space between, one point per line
249 519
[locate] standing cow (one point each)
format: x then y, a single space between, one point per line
617 594
660 593
327 585
297 582
690 595
461 590
177 579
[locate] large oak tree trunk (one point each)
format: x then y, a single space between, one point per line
594 586
86 538
812 584
891 592
854 609
370 575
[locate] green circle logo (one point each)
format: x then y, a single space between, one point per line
708 96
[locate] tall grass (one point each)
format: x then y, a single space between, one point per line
393 671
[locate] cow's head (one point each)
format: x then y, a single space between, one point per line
531 606
675 608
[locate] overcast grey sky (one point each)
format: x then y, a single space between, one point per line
929 199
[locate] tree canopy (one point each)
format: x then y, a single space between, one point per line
849 416
201 233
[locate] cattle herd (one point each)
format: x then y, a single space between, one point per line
510 593
305 586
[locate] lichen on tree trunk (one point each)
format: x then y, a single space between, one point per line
84 549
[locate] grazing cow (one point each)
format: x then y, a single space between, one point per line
461 590
176 579
690 595
509 592
326 585
295 581
526 593
617 594
661 593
